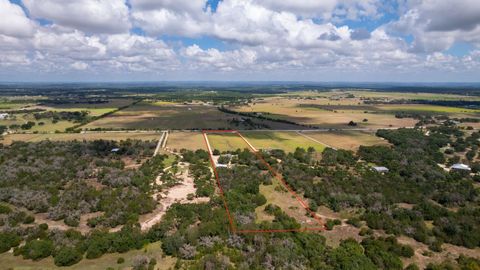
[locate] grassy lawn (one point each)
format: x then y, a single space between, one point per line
117 136
108 260
169 161
185 140
287 141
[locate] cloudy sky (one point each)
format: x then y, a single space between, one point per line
299 40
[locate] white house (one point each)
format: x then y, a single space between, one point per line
381 169
461 167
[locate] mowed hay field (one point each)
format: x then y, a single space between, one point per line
346 139
114 136
285 140
157 116
304 111
178 140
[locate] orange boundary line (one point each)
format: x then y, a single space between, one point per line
230 219
275 174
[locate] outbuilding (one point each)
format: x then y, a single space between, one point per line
460 167
381 169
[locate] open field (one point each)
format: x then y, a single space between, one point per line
115 136
325 110
276 194
426 108
310 112
94 109
47 126
153 250
162 115
381 95
151 116
188 140
287 141
346 139
226 142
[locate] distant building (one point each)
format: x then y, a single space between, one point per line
4 116
461 167
115 150
381 169
219 165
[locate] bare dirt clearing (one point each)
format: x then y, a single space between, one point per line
175 194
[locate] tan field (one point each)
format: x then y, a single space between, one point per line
115 136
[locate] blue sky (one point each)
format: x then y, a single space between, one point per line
331 40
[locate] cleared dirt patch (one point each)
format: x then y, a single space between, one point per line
175 194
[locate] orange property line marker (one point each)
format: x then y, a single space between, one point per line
274 173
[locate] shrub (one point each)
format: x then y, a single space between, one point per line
4 209
37 249
120 260
355 221
29 220
67 256
8 240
